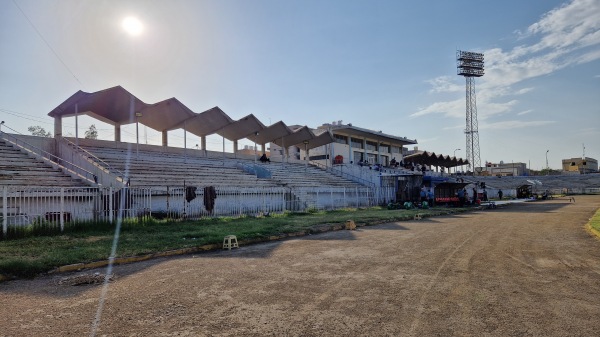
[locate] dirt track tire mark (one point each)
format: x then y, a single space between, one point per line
423 298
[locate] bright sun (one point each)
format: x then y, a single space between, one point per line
132 25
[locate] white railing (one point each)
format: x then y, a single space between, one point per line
367 179
103 173
24 206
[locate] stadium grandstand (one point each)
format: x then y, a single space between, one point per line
332 166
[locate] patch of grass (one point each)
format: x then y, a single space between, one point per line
595 221
83 243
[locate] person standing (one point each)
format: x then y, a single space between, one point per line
500 194
430 197
461 197
423 194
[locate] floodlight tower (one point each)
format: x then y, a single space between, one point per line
470 65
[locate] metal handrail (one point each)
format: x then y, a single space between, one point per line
46 156
104 165
257 170
352 177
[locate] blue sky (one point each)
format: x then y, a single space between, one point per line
383 65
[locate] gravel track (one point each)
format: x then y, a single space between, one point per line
524 270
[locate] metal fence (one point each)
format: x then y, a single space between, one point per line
24 206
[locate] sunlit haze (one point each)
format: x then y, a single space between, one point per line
132 25
383 65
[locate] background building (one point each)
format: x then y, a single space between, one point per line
505 169
353 144
581 165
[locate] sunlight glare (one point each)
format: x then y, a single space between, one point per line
132 25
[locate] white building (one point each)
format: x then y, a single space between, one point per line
352 145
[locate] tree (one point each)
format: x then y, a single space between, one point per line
39 131
91 133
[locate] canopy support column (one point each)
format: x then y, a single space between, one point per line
223 151
365 157
76 125
165 138
58 126
117 133
350 160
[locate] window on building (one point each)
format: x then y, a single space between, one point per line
341 139
357 143
371 146
384 148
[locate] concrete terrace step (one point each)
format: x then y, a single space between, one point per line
18 168
146 167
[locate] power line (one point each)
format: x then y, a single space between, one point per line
47 44
14 113
38 119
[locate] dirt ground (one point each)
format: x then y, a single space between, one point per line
524 270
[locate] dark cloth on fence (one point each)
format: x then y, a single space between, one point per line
190 193
210 194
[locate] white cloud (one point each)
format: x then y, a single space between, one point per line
504 125
444 84
449 109
524 112
567 35
597 76
523 91
487 108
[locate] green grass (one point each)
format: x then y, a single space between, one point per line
595 221
29 256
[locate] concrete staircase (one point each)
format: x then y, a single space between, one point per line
17 168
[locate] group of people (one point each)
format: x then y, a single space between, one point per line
395 164
427 196
463 197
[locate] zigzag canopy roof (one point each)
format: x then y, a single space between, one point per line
321 139
117 106
114 106
205 123
302 134
430 158
275 131
241 128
